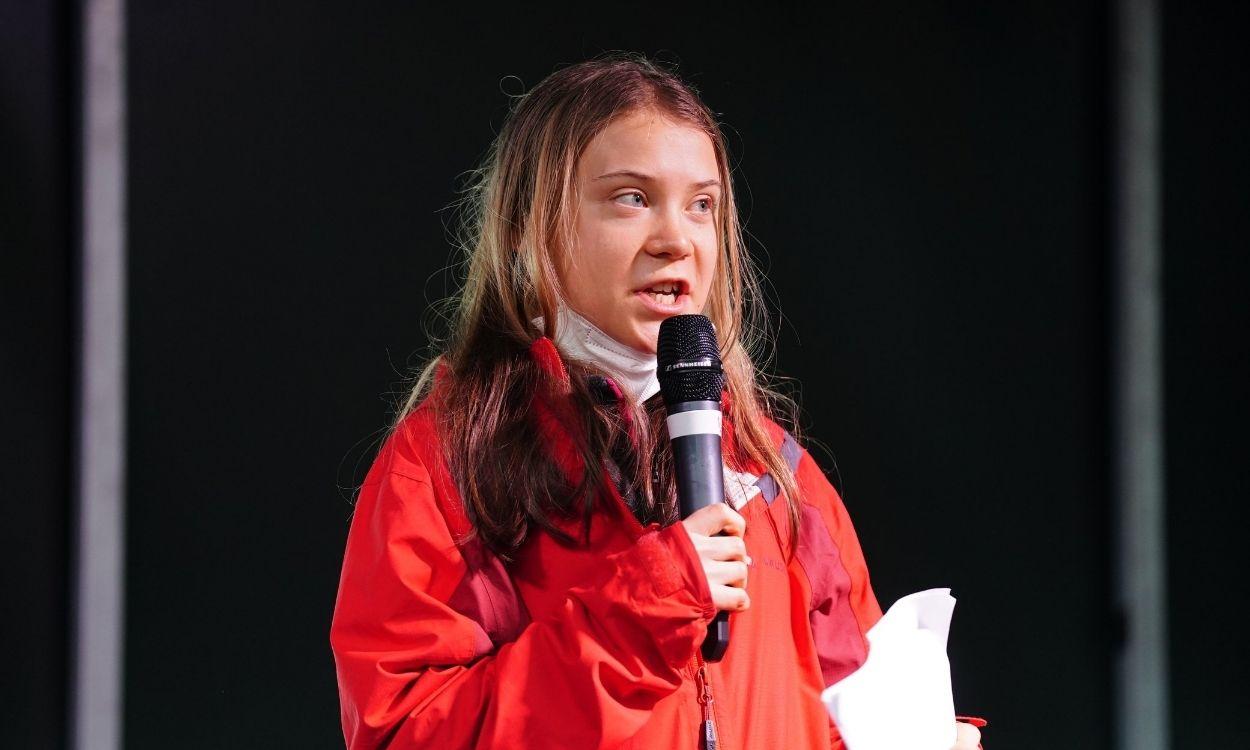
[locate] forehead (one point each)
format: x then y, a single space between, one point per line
650 142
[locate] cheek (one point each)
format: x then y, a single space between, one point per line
709 256
604 253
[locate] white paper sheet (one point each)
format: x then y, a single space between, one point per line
901 696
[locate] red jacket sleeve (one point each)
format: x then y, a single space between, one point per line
826 519
415 672
817 491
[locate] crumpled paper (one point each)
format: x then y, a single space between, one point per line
901 696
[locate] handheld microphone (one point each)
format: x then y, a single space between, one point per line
691 379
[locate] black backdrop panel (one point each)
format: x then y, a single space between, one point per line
1206 83
926 192
36 332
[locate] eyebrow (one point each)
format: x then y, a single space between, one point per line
648 178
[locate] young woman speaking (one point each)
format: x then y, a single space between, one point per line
516 575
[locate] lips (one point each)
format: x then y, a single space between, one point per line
665 296
665 292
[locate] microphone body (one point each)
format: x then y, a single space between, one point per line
691 379
694 430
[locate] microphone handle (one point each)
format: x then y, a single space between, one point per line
697 462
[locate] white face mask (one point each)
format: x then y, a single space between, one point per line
635 371
578 338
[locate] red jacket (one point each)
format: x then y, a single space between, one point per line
438 644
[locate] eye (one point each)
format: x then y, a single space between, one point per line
629 199
704 205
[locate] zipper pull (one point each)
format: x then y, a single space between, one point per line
707 729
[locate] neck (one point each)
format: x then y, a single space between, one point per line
578 338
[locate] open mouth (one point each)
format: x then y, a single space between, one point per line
665 292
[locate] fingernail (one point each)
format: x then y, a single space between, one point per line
749 560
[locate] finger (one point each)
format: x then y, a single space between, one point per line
722 548
732 522
733 573
717 518
966 736
730 599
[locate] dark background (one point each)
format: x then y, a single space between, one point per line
927 187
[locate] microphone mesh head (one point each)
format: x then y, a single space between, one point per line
688 357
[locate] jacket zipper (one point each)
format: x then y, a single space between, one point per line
707 728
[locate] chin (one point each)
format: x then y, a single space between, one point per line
646 338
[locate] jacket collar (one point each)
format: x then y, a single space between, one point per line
544 352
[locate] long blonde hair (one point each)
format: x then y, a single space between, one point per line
518 224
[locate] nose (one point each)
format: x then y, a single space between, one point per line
669 238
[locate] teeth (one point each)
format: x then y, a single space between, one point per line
664 299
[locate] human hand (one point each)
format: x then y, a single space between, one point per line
724 558
967 737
